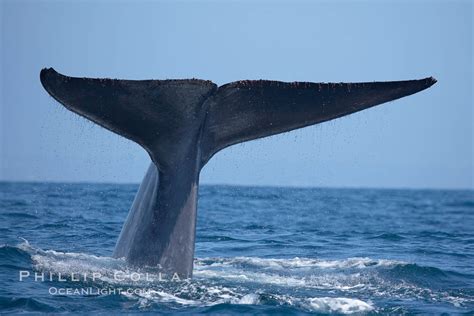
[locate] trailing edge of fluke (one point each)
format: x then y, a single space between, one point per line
183 123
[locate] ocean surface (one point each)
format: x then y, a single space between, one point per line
258 250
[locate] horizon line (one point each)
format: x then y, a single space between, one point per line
252 185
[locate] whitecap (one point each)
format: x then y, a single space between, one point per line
340 305
240 280
357 262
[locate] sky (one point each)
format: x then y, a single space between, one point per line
421 141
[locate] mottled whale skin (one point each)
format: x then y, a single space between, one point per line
183 123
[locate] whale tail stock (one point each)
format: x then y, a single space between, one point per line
183 123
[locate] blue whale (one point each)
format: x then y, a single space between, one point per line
183 123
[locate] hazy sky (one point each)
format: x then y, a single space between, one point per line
422 141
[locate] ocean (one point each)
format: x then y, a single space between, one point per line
259 250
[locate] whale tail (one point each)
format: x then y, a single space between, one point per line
165 115
160 115
183 123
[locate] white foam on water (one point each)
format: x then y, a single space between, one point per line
340 305
249 299
333 280
356 263
251 277
247 279
327 305
81 264
163 297
208 297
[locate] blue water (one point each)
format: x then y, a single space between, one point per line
259 250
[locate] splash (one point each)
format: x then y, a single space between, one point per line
325 286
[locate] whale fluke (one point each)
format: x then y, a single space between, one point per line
246 110
160 115
183 123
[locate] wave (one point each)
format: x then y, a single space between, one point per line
19 215
388 236
325 286
466 204
24 304
296 262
